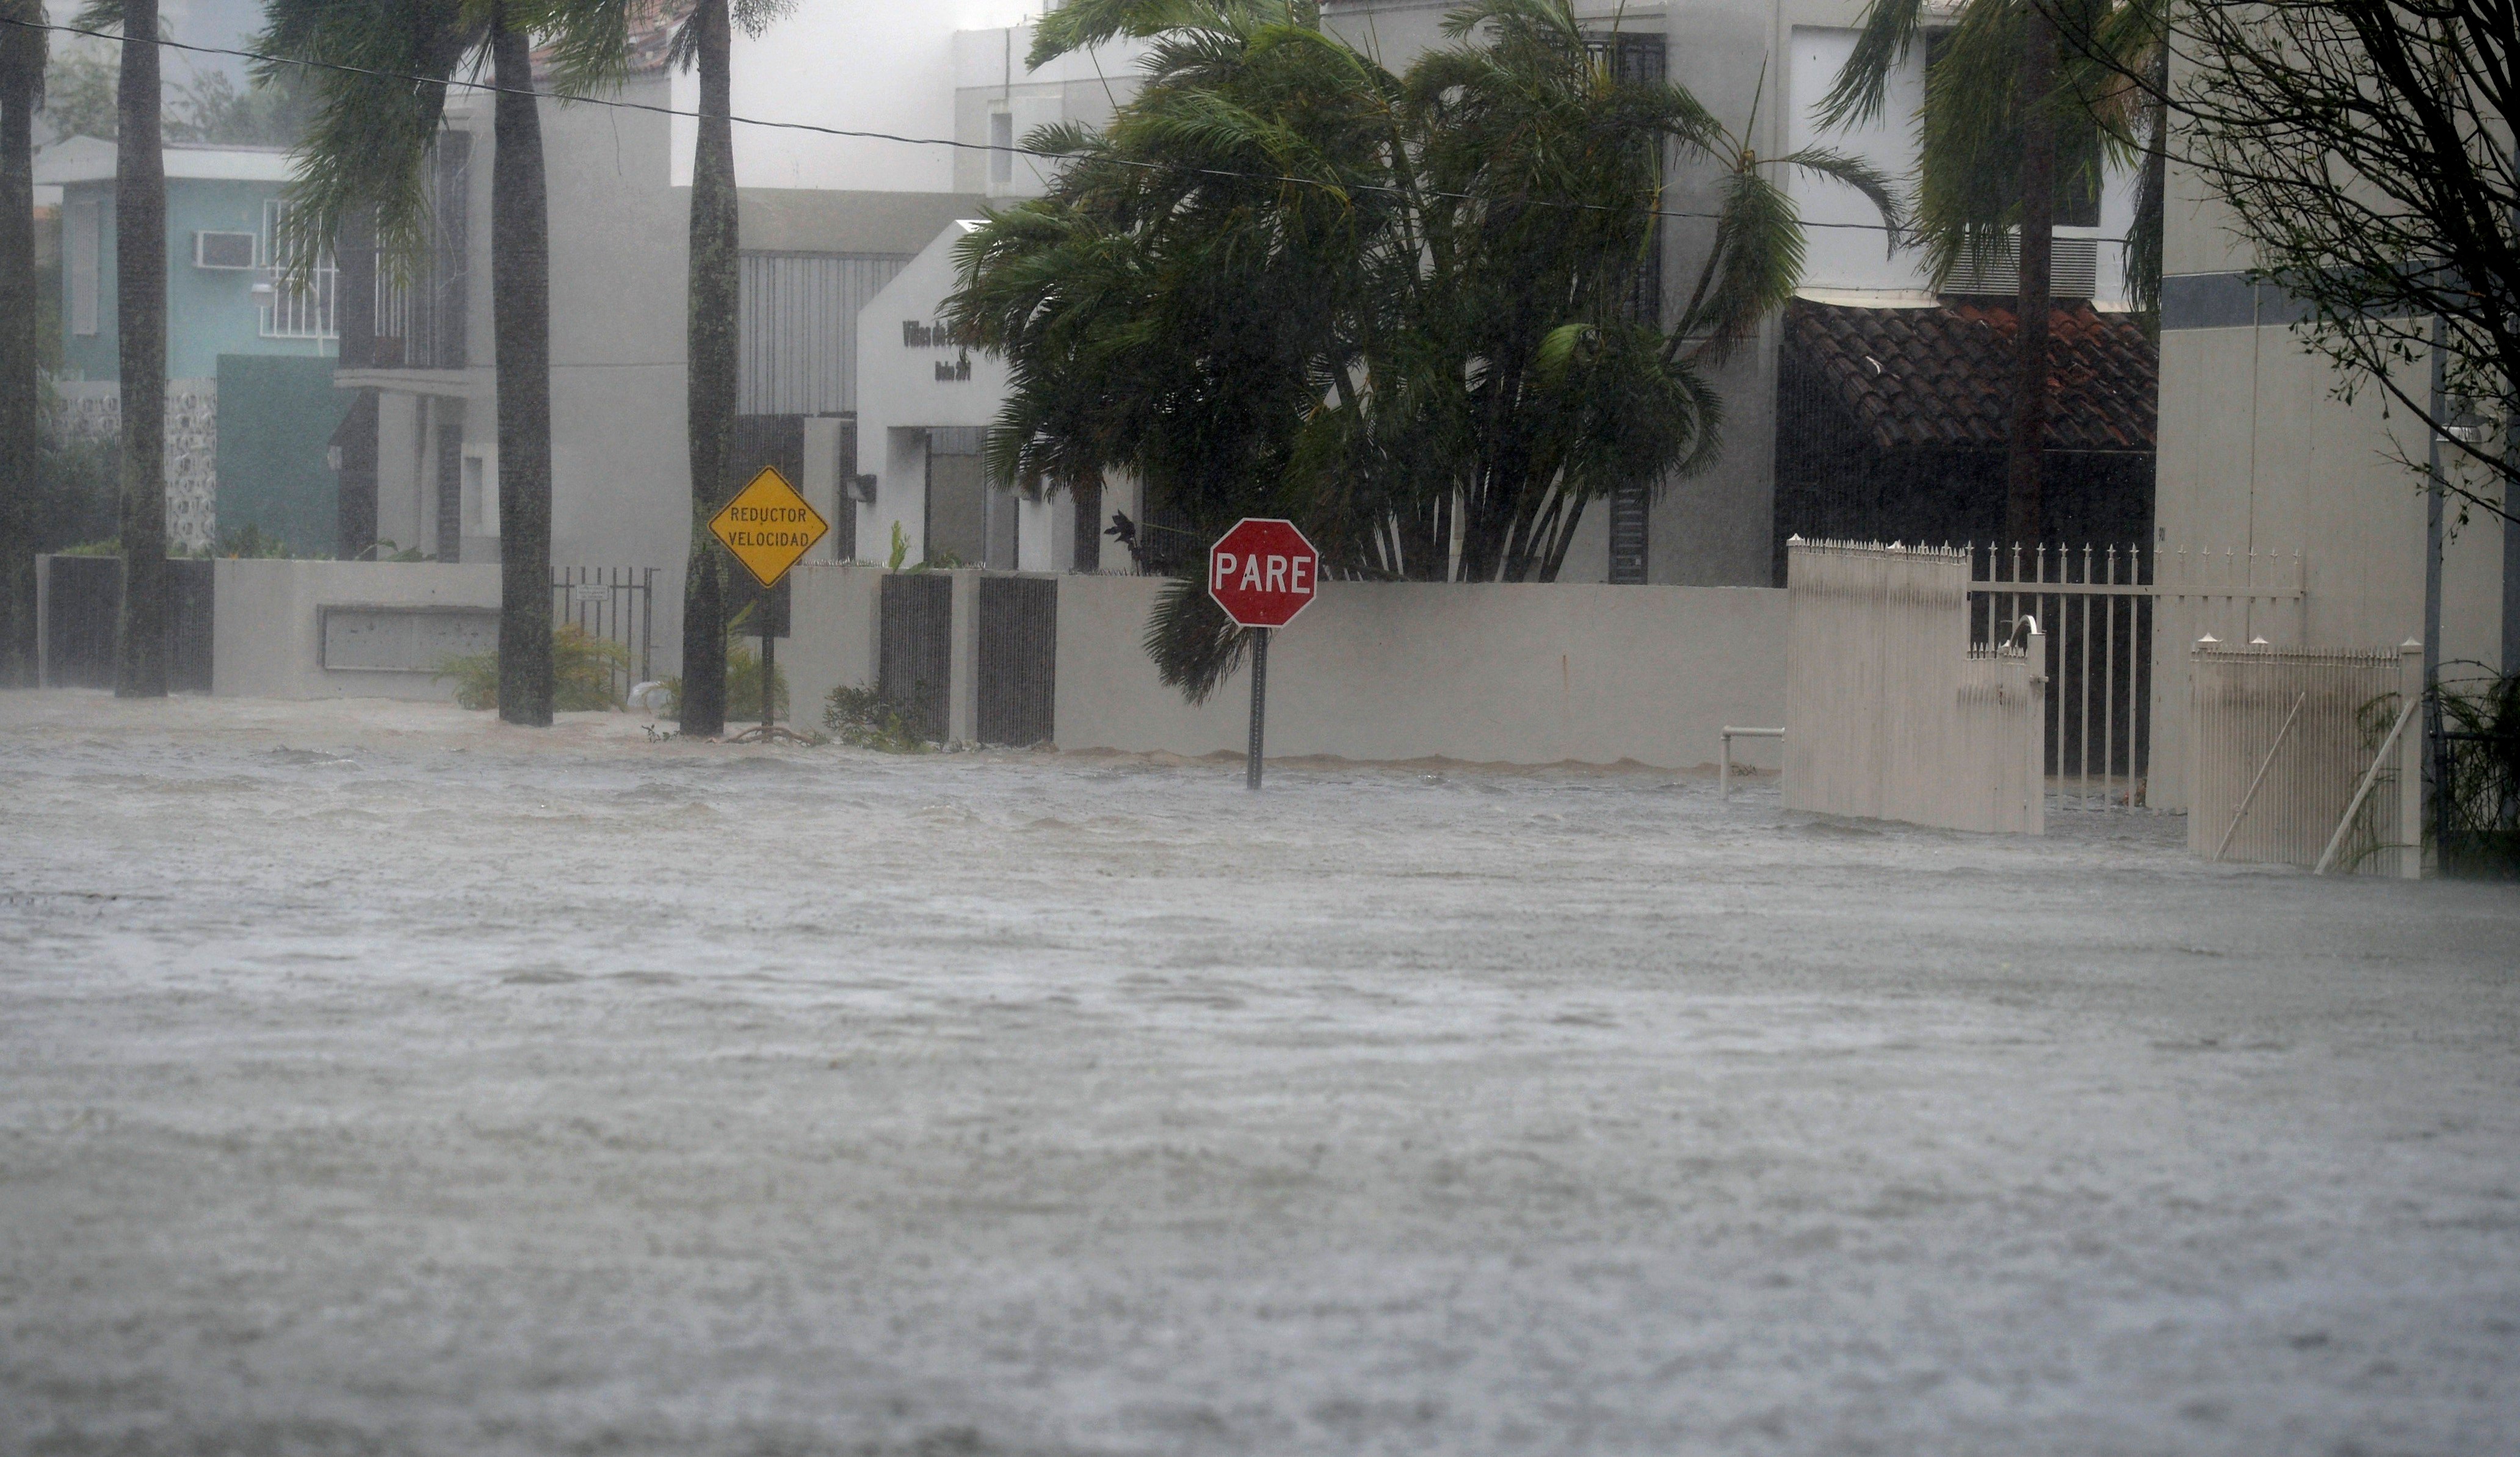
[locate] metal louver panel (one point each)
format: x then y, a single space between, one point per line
797 323
2073 270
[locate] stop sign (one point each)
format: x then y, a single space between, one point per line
1263 572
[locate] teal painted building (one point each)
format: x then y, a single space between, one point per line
230 316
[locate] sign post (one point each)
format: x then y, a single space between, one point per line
1262 573
769 528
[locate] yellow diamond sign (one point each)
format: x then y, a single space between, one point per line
768 526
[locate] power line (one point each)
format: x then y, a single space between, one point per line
850 134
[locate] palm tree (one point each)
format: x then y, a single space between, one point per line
22 92
140 328
1394 308
368 148
706 38
2010 119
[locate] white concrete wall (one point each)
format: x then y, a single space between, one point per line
1483 672
267 632
831 635
1521 674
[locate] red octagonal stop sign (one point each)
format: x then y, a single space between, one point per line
1263 572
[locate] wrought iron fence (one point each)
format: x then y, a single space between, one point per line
616 604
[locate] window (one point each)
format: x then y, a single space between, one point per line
85 241
290 311
1002 150
1639 58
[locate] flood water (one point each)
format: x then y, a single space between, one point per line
377 1079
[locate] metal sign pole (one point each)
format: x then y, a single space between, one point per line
769 665
1259 704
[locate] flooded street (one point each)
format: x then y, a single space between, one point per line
375 1079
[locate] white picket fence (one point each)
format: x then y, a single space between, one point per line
1890 712
2307 758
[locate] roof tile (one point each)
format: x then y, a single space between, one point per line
1943 376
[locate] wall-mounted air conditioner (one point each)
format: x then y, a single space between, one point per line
232 251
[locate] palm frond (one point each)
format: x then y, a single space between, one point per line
1195 646
1883 37
1858 173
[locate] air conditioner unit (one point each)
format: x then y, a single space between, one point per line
2073 269
232 251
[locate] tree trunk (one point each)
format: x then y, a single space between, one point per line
2021 503
140 324
712 376
520 306
22 68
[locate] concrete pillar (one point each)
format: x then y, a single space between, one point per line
963 696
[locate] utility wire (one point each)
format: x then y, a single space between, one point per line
874 136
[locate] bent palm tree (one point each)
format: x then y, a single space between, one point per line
1395 308
22 92
368 148
2024 98
706 38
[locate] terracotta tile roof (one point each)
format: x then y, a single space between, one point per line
1943 376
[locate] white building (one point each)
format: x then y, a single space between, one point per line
2257 454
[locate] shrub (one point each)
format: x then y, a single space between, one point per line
585 673
2478 797
858 716
743 686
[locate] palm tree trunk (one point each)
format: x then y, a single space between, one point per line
140 324
2021 503
712 375
521 308
22 70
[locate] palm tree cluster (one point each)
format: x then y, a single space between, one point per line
1396 308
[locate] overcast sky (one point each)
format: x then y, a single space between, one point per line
200 22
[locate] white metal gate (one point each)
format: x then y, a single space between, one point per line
2119 620
2307 758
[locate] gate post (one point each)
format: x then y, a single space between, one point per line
44 621
2410 764
2035 659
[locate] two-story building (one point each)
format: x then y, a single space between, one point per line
248 356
